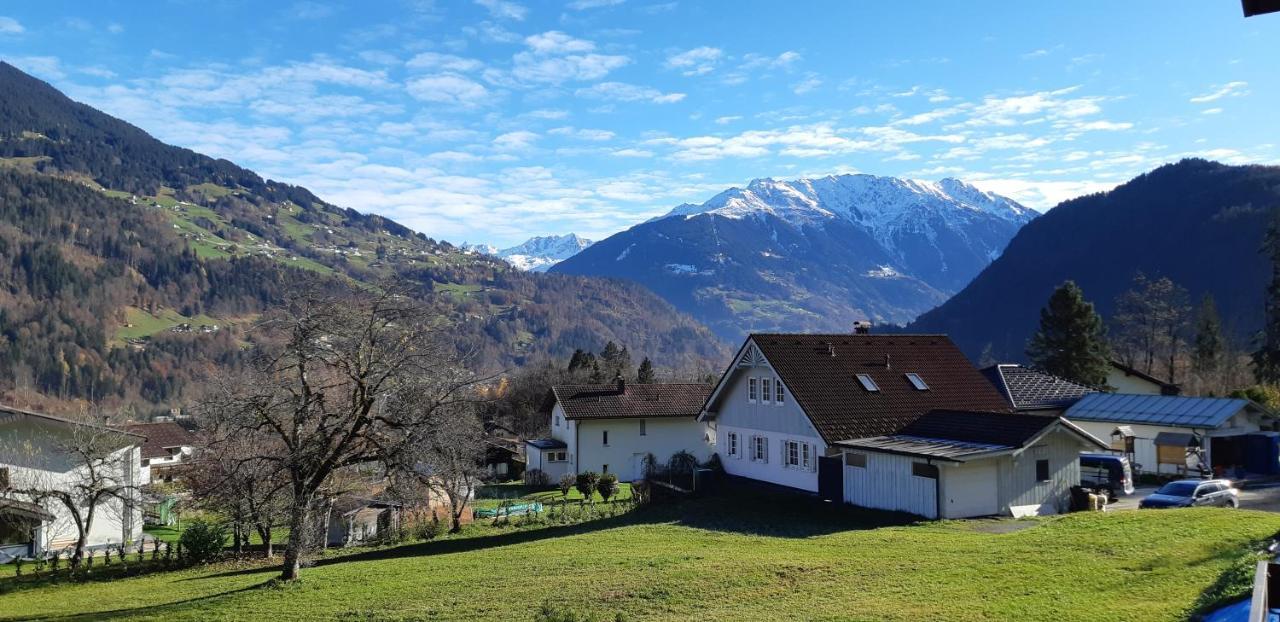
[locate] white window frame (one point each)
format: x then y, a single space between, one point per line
731 445
753 389
916 381
760 449
766 387
791 454
779 393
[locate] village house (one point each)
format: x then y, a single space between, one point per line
33 456
1122 378
897 422
611 428
168 445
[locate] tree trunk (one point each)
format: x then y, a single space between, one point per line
455 515
264 532
299 515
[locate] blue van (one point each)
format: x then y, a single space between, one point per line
1107 473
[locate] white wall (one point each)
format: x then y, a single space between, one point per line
1124 383
1021 493
887 483
779 422
663 436
44 465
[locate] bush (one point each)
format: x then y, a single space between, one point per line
429 529
714 464
567 482
202 541
607 486
586 483
537 477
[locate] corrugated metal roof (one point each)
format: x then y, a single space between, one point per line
1189 412
925 447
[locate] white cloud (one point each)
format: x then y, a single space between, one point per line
633 153
727 119
48 67
623 92
761 61
806 85
696 62
447 89
434 61
582 133
306 9
1211 111
115 28
10 26
515 141
1230 89
503 9
556 42
1040 194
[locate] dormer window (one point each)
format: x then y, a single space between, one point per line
868 383
917 382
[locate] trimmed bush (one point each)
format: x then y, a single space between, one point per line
586 484
537 477
607 486
202 541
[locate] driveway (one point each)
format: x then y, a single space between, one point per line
1266 499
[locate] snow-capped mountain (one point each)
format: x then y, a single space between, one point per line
537 254
813 254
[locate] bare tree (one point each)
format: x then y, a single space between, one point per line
234 480
1150 326
89 470
314 396
448 458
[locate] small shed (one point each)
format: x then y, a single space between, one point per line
357 520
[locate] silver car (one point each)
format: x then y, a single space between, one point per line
1186 493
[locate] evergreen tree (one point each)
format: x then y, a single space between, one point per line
645 374
597 376
1071 342
1266 360
1210 345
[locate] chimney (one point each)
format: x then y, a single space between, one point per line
862 327
886 362
831 349
621 382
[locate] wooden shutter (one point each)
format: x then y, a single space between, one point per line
1171 454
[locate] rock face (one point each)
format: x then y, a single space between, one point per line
812 254
1199 223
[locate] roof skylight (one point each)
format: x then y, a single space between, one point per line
868 383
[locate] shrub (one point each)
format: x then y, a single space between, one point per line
567 482
682 463
203 541
429 529
537 477
607 486
586 484
714 464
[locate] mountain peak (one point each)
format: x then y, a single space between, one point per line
538 253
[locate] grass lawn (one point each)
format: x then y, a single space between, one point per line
145 324
493 495
756 555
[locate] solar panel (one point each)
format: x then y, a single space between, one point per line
1156 409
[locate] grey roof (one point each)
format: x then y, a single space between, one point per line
1170 410
1175 439
1028 388
547 443
906 444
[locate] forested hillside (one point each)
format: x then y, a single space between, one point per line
131 267
1198 223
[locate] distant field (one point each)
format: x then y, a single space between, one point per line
143 324
750 556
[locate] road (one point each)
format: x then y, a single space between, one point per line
1266 499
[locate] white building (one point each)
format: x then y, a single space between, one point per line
167 445
834 414
33 455
611 428
1159 431
1124 379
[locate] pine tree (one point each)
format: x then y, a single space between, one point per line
1071 342
645 374
1266 360
1210 345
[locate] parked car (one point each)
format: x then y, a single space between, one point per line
1186 493
1106 473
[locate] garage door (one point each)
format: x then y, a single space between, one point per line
971 489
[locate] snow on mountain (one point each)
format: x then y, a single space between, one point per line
537 254
812 254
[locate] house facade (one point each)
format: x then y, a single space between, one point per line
168 445
896 422
611 428
1168 434
1125 379
33 456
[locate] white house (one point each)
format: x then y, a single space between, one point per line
611 428
1125 379
33 456
167 445
1157 431
832 414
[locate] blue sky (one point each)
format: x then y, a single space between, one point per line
495 120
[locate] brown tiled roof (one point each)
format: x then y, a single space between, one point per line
826 387
1030 389
604 401
160 437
